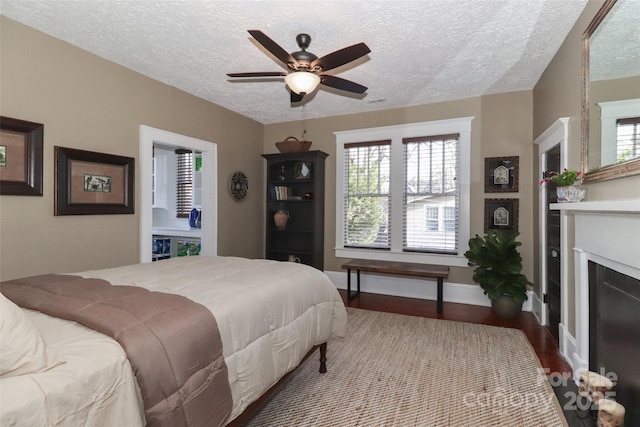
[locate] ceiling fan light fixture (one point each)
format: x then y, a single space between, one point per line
302 82
306 70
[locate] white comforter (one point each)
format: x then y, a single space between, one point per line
94 386
270 314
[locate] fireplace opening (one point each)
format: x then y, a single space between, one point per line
614 334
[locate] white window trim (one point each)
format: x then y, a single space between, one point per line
396 133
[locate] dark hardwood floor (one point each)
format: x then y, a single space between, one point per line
540 338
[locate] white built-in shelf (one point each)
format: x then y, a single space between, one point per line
612 206
177 232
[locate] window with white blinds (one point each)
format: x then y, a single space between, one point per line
627 139
367 195
430 182
184 183
403 192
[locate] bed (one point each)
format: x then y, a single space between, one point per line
269 315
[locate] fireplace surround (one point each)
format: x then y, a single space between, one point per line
607 238
614 334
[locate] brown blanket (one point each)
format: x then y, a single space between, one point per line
173 343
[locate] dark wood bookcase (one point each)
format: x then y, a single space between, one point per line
295 184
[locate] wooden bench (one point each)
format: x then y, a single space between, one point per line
438 272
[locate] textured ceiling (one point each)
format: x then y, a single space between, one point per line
422 51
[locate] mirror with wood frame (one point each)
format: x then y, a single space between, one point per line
611 93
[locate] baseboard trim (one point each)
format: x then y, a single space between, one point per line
569 352
536 307
417 288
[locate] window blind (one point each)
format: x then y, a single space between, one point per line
184 183
627 138
431 194
367 196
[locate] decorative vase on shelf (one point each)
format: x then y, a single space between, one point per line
280 219
570 193
193 217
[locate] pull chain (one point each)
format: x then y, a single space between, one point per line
304 119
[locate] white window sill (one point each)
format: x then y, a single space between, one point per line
414 257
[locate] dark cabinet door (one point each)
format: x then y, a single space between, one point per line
295 187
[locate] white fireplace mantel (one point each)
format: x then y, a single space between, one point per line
612 206
606 232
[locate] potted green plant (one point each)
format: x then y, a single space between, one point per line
563 179
568 184
499 270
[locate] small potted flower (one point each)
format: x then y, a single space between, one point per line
567 189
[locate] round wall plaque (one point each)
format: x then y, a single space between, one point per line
239 186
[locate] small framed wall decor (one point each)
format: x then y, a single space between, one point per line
89 183
21 146
501 174
302 170
500 214
238 186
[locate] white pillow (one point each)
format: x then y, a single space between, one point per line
22 348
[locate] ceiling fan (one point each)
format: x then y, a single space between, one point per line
306 69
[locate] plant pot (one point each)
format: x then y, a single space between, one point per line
506 307
570 193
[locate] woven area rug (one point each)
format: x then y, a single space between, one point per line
396 370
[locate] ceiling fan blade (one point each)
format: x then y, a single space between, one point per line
273 47
341 57
259 74
342 84
296 97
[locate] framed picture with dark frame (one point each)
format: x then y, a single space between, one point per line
302 170
89 183
21 145
500 214
501 174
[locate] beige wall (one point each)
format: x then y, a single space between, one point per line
89 103
502 127
558 94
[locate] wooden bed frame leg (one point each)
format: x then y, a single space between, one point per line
323 357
